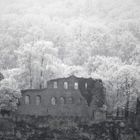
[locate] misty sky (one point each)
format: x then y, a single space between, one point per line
71 8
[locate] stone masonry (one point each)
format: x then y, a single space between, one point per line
71 97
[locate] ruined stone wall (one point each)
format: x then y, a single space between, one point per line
67 101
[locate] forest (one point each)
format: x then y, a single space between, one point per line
44 39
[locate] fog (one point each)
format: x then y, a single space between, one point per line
114 9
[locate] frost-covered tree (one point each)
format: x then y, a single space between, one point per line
46 54
122 88
91 38
9 94
26 60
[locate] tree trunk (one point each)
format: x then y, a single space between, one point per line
41 73
127 100
30 71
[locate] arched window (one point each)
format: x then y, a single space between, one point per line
70 100
55 84
53 101
79 101
38 100
45 84
75 85
65 85
27 99
62 100
85 85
